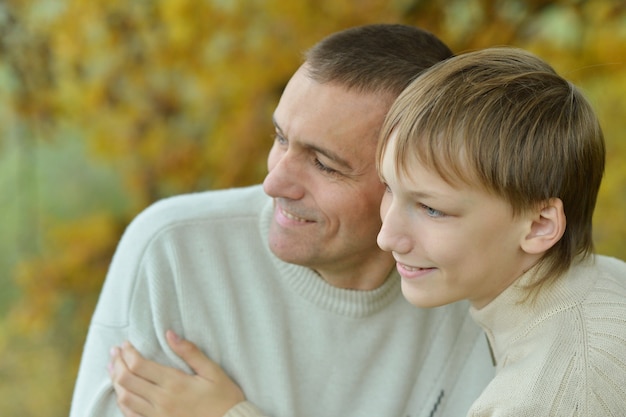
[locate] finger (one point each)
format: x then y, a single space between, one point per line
122 376
193 356
128 412
146 369
132 392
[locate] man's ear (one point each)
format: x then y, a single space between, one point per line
547 226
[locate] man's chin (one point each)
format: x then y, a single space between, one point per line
287 251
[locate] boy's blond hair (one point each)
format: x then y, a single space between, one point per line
503 120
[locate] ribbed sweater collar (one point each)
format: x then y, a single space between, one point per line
308 284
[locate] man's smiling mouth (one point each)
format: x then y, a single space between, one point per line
292 216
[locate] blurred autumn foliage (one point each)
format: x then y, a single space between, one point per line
109 105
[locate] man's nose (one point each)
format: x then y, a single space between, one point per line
285 176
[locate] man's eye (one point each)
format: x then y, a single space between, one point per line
324 168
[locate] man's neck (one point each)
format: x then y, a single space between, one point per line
366 276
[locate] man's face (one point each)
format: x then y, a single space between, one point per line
324 183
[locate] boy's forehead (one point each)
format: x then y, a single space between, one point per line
402 156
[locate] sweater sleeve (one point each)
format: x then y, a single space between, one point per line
93 393
130 307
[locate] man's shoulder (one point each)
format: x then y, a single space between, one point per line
232 202
197 208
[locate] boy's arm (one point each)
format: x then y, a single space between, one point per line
146 388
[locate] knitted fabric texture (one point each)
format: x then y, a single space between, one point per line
564 354
200 265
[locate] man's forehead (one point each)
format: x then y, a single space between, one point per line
331 117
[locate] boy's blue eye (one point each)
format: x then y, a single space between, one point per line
431 212
278 138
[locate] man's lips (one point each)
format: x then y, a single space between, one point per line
292 216
287 218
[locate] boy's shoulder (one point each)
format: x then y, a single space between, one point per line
605 331
609 289
612 267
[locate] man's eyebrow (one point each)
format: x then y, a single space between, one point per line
332 156
276 126
326 152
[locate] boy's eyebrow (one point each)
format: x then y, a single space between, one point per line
428 195
326 152
420 194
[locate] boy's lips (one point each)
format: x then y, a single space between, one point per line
411 268
408 271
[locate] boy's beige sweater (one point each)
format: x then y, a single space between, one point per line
564 355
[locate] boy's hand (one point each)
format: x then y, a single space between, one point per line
147 389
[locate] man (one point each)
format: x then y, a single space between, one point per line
283 285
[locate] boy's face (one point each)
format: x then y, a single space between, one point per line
450 243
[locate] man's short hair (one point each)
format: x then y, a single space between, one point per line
377 58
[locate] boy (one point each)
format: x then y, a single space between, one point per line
492 164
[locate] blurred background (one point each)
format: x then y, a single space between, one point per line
109 105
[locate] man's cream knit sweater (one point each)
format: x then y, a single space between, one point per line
200 265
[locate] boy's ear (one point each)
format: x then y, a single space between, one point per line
547 226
